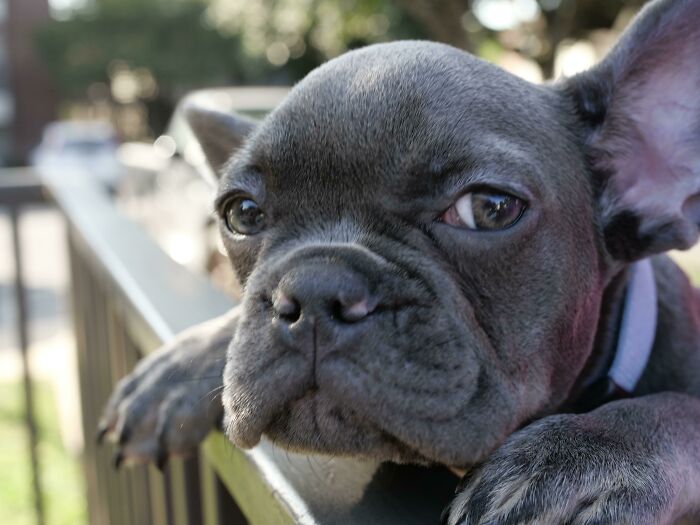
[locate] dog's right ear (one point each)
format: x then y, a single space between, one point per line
219 134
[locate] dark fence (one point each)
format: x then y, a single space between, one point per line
128 298
19 188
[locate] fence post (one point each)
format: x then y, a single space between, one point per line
23 339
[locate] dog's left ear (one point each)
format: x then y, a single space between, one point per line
641 107
219 134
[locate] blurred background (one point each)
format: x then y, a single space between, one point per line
128 62
95 84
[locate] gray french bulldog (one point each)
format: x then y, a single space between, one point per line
437 260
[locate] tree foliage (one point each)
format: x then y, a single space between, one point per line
175 46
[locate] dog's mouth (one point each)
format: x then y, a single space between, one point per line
315 423
347 411
308 417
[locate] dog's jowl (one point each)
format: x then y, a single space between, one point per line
443 263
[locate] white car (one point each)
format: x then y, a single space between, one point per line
89 145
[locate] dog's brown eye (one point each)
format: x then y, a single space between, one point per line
485 210
243 215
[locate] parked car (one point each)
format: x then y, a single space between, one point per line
88 145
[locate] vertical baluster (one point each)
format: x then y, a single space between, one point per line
23 339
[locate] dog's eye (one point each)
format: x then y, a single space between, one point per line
485 210
243 215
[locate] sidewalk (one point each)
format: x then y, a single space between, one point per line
52 352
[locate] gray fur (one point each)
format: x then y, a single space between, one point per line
218 135
465 338
172 399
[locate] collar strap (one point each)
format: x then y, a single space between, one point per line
637 328
635 340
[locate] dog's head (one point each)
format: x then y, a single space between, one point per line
424 239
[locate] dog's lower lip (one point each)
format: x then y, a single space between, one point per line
245 440
250 438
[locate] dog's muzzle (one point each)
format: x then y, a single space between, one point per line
318 307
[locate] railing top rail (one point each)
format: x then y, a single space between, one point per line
271 485
164 294
20 186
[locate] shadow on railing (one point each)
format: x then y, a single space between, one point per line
128 298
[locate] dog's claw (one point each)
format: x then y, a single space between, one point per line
101 433
161 460
123 436
444 516
118 459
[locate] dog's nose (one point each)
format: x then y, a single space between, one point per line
323 290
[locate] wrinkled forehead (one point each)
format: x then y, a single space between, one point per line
390 111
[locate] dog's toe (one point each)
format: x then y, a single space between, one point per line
166 407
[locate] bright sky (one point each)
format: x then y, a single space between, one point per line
66 4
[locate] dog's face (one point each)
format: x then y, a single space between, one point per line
423 250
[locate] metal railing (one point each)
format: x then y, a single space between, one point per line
128 298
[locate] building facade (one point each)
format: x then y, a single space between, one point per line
27 99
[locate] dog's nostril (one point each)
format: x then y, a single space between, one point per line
322 293
286 308
336 310
352 312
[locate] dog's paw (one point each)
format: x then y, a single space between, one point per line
565 470
169 403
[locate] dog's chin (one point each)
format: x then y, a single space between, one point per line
346 412
316 424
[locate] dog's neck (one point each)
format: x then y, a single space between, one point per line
623 341
609 341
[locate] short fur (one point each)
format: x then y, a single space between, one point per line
471 344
